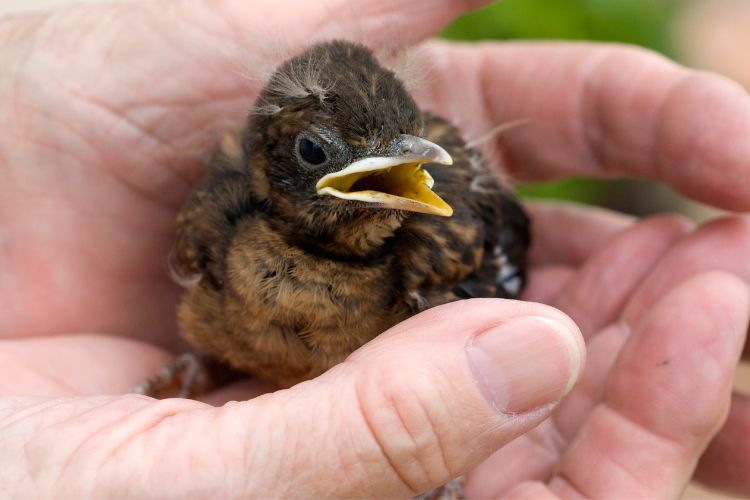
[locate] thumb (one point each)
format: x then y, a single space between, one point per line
436 395
425 402
421 404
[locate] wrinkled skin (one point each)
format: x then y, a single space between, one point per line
107 115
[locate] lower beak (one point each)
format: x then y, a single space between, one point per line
395 181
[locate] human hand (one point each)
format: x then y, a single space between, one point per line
600 442
114 152
108 114
387 423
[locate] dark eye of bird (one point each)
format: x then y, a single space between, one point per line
311 151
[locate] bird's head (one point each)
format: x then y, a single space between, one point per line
336 138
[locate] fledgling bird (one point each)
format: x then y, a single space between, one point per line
340 210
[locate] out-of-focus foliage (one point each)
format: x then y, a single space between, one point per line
640 22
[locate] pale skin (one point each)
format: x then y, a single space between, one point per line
107 114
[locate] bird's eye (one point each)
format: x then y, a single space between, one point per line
311 152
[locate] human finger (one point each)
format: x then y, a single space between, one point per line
726 461
544 283
720 245
670 362
569 233
599 290
76 365
535 455
600 110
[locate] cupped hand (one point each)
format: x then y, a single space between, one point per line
107 115
431 399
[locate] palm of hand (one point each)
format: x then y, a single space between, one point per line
95 175
99 161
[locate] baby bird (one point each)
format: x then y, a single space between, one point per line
340 210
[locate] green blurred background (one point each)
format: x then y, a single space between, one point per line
643 22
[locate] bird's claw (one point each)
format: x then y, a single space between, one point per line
187 376
452 490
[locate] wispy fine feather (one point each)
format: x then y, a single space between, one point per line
298 79
263 69
491 154
267 109
495 131
413 66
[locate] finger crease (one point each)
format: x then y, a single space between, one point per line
381 447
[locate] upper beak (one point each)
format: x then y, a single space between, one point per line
395 180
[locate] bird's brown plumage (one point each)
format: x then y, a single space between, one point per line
291 282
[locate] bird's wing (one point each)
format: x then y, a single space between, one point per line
502 272
481 250
208 219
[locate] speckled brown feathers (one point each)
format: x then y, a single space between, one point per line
290 282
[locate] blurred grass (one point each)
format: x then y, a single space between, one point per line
641 22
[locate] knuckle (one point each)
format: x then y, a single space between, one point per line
409 425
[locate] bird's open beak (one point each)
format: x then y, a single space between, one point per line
395 180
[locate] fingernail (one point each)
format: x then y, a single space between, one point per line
525 363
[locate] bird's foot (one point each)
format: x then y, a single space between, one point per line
452 490
189 375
